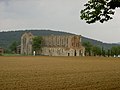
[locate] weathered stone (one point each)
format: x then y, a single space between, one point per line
54 45
26 43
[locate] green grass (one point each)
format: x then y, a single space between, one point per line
11 55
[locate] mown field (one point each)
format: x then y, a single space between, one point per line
59 73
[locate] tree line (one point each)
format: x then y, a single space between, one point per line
92 50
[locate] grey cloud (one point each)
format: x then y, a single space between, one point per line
6 2
55 14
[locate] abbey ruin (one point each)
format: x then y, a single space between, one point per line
54 45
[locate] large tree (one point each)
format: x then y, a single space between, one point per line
13 47
88 48
99 10
96 51
115 51
37 41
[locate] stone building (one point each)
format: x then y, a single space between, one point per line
1 50
54 45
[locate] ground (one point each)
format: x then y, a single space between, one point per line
56 73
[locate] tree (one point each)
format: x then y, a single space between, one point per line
108 52
99 10
37 41
13 47
103 52
96 50
88 48
115 50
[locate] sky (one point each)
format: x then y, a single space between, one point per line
57 15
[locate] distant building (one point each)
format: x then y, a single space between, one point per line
54 45
18 49
1 50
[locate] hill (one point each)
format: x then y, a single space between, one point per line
99 43
118 43
6 38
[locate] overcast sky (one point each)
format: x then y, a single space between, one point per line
58 15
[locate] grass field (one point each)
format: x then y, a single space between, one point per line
59 73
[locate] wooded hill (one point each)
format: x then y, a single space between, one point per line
7 38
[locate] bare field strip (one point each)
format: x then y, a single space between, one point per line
59 73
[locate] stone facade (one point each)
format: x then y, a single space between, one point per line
54 45
26 44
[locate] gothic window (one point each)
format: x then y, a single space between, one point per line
56 41
67 43
24 40
60 42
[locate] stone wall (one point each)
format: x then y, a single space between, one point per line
68 45
58 51
55 41
26 43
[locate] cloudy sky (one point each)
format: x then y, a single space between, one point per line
58 15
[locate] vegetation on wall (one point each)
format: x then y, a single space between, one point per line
37 44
